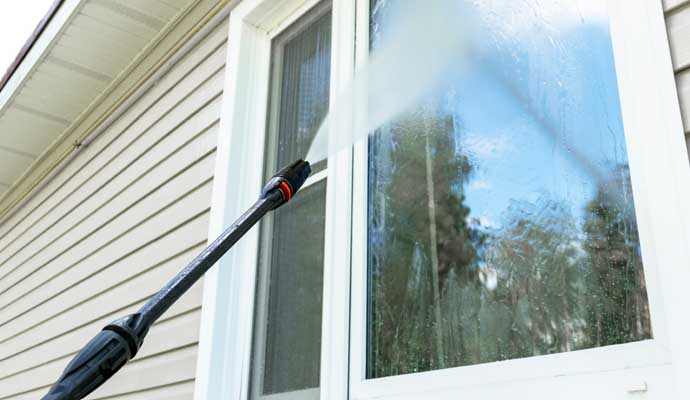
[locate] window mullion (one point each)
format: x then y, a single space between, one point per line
359 222
336 305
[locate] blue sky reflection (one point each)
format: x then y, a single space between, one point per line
528 107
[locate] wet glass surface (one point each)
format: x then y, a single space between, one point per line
501 218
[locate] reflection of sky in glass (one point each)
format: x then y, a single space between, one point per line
533 100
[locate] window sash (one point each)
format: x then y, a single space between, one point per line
486 379
271 158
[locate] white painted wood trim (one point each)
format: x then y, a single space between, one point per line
228 301
659 164
335 332
358 300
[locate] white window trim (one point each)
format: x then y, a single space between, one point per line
661 185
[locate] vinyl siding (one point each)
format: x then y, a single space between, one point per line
108 231
678 26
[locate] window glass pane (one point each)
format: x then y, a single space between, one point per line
305 84
501 217
293 340
287 338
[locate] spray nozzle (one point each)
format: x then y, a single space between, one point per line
288 180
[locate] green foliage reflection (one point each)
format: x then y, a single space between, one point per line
447 291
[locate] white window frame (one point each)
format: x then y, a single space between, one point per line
660 175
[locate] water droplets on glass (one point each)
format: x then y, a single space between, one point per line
501 217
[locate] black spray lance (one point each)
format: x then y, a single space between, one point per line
120 340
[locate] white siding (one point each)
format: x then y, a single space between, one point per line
678 25
108 231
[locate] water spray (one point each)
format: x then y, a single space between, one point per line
120 340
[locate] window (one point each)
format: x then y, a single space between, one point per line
520 231
528 242
287 332
499 235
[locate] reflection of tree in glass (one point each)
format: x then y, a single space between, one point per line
558 286
536 259
616 303
407 334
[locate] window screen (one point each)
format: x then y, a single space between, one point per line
287 339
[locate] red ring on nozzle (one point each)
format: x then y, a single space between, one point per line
287 192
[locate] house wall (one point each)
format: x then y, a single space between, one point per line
108 231
678 26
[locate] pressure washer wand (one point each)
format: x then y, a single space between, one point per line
120 340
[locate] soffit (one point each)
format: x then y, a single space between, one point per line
86 46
